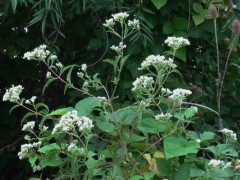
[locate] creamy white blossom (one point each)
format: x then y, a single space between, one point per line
216 163
118 48
28 149
166 91
80 74
143 83
27 137
198 140
177 42
134 24
121 16
48 75
33 99
59 65
231 136
39 53
163 116
178 95
36 168
28 126
84 67
28 101
12 94
159 62
109 23
69 121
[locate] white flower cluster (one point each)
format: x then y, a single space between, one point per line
13 93
118 48
28 149
59 65
39 53
68 122
120 16
109 23
48 75
84 67
143 83
31 101
73 147
231 136
28 126
158 62
36 168
177 42
134 24
178 95
163 117
216 163
199 140
166 91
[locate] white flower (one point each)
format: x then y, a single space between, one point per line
33 99
28 126
84 67
177 42
134 24
163 117
27 137
231 136
159 62
13 93
69 121
120 16
109 23
52 57
118 48
198 140
39 53
48 75
216 163
166 91
71 146
178 95
143 83
102 98
36 168
28 149
28 102
59 65
80 74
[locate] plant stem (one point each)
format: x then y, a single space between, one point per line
223 77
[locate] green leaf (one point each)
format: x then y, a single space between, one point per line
168 27
105 126
58 112
189 112
150 125
32 159
86 106
180 23
197 8
49 81
198 19
164 166
47 148
137 177
52 160
159 3
148 175
177 146
183 173
223 149
207 136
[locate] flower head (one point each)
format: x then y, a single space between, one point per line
177 42
134 24
143 83
109 23
84 67
13 93
39 53
163 117
231 136
120 16
29 126
216 163
178 95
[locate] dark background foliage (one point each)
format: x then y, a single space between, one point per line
74 30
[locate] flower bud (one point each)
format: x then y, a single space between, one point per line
213 12
236 26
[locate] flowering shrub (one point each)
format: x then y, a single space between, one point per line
145 140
